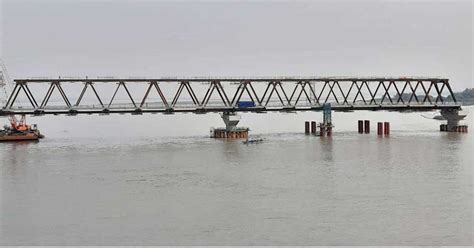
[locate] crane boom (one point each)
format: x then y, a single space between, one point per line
4 83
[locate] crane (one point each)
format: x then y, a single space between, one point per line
18 125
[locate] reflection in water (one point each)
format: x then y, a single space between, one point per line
327 149
13 155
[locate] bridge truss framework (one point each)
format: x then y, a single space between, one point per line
279 94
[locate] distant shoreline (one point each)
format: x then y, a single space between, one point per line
465 97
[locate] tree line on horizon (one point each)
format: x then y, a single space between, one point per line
465 97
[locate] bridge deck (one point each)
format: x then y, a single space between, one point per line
121 109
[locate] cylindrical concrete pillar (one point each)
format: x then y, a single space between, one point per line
329 131
313 127
367 126
321 130
361 126
306 127
386 127
380 128
445 127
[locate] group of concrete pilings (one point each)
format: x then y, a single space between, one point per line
222 133
383 128
231 131
324 129
455 129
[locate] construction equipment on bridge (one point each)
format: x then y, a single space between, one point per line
18 130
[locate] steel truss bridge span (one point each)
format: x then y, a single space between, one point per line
227 95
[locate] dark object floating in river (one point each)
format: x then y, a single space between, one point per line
252 141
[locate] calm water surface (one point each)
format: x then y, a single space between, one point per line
159 180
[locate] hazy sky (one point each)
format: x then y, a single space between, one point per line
151 38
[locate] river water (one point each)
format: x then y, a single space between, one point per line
159 180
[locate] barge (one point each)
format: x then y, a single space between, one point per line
20 131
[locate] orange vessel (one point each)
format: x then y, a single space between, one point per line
20 131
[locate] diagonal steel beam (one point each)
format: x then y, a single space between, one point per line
11 100
413 92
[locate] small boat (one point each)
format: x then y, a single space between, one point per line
20 131
252 141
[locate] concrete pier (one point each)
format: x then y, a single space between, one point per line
453 118
231 131
222 133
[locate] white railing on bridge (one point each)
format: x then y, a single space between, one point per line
218 104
